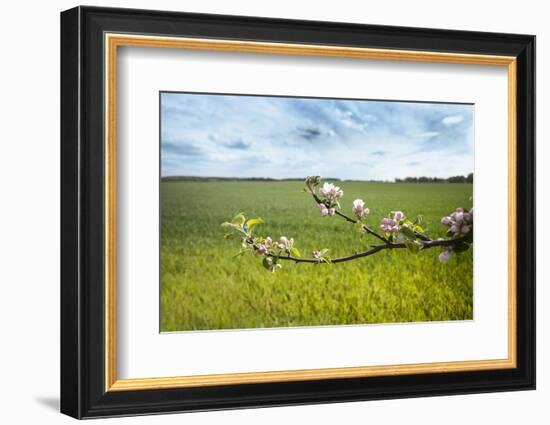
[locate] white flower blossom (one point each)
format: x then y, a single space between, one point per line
359 208
330 191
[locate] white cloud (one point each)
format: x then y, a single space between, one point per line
429 134
452 119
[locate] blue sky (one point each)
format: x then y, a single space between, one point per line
278 137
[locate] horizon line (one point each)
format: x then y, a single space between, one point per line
303 178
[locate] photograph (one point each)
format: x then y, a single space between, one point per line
266 211
280 212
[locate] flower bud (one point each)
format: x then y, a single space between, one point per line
358 206
323 209
458 216
398 216
444 256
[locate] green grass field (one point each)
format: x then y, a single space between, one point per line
204 287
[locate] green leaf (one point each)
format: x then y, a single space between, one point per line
233 226
253 222
412 246
294 251
239 219
241 252
418 229
228 235
326 260
419 219
407 232
228 224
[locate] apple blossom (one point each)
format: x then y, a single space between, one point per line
261 249
444 256
446 220
389 225
359 208
323 209
271 264
398 215
285 244
459 222
330 191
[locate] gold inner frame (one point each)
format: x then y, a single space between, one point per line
113 41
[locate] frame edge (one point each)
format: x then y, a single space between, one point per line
70 347
82 399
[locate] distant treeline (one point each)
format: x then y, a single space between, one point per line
227 179
454 179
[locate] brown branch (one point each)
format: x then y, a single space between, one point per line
351 220
424 241
376 248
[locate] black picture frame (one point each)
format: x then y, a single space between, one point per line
83 392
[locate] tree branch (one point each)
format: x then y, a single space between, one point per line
376 248
351 220
412 239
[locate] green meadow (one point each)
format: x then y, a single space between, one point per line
203 286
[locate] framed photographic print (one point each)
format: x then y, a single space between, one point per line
261 212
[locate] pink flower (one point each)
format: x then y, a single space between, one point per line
323 209
389 226
330 191
459 222
444 256
457 216
359 208
398 216
326 189
268 241
331 211
261 249
285 244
